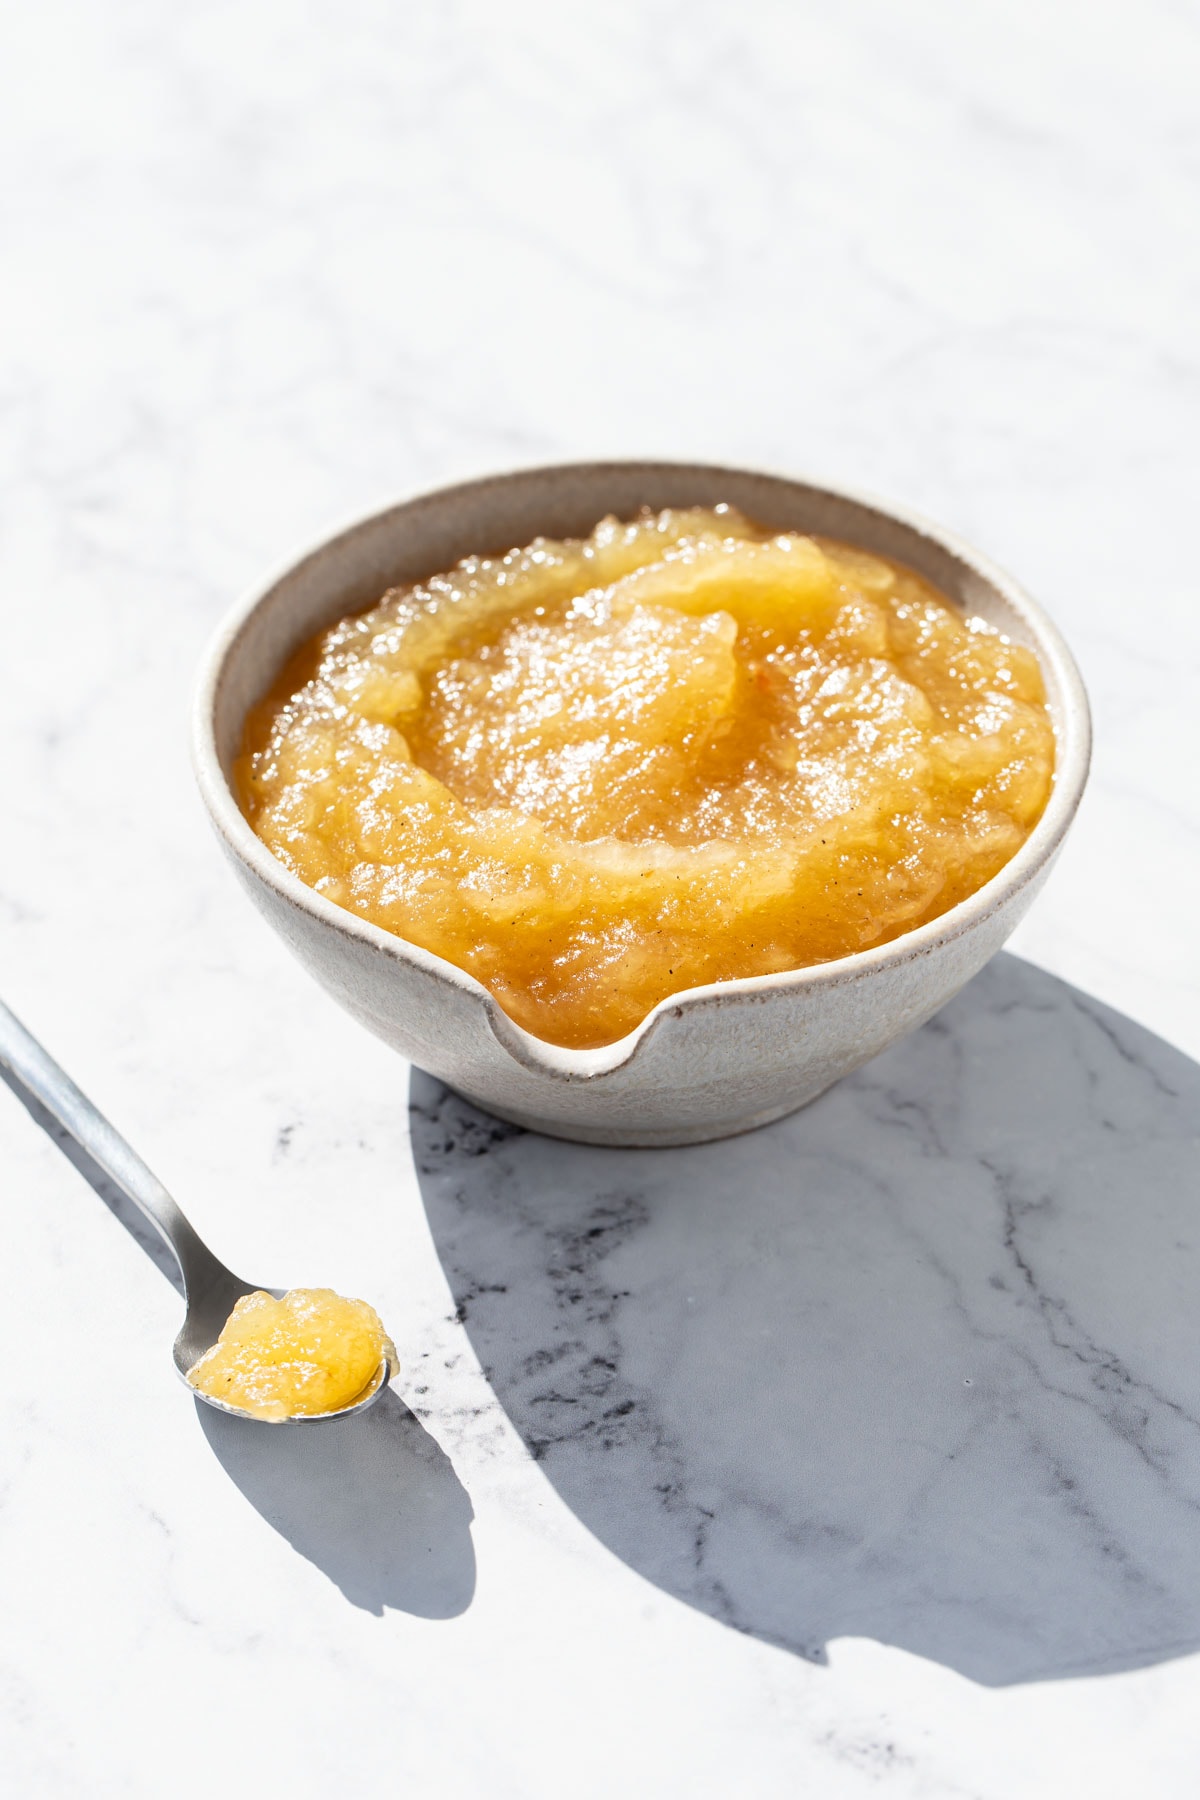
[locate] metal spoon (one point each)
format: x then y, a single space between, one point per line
209 1288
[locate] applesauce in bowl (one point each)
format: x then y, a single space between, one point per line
733 1050
686 749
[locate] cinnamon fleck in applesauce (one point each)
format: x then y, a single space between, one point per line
684 750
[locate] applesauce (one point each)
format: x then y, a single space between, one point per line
311 1352
686 749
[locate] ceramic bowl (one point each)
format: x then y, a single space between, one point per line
707 1062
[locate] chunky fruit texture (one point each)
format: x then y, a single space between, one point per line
684 750
311 1352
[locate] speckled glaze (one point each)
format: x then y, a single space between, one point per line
705 1063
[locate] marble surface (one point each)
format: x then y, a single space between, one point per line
860 1455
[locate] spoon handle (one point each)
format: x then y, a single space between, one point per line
27 1066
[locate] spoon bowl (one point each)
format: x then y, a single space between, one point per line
211 1291
202 1325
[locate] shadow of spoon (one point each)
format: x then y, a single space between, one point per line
371 1499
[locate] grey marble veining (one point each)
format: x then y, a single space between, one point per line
918 1364
266 267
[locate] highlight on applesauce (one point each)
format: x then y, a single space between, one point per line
308 1353
684 750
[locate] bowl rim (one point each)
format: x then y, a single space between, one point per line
1073 744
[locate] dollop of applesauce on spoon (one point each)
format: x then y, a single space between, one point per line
311 1352
684 750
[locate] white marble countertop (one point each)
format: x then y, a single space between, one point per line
858 1456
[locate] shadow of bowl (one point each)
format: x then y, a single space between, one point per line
919 1363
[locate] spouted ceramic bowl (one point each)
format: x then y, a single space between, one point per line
707 1062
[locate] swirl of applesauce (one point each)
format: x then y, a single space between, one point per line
686 749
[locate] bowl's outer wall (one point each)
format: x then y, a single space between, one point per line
718 1063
